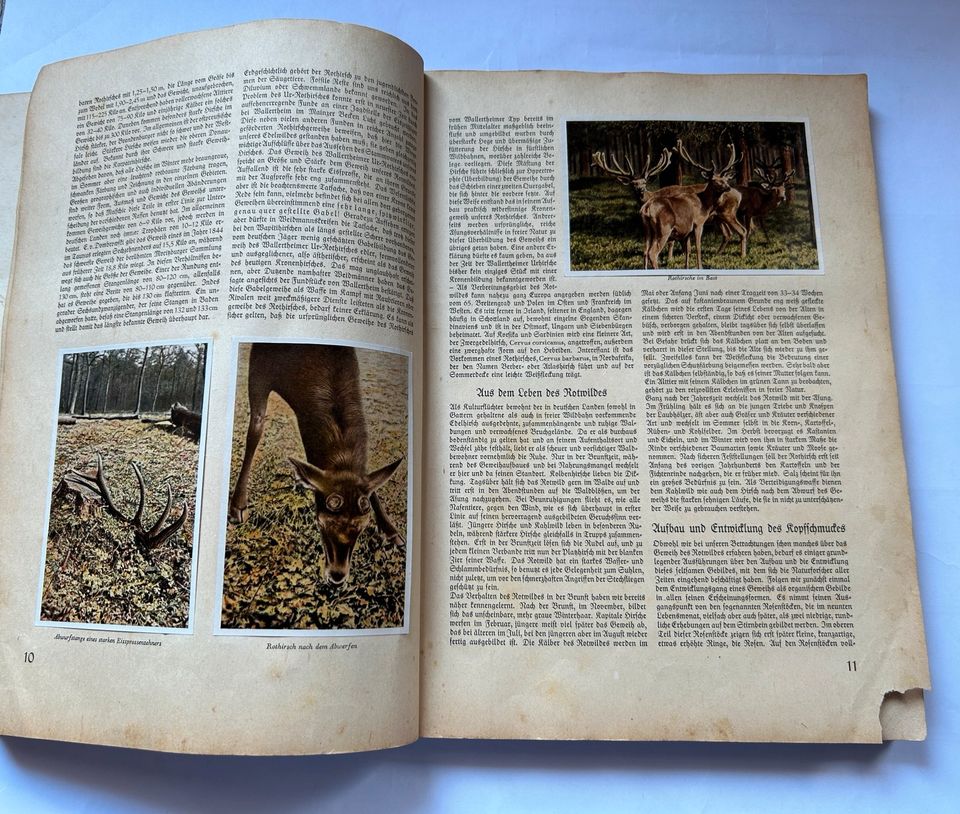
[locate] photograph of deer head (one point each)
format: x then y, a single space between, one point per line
316 534
126 469
640 189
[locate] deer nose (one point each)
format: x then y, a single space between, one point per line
336 576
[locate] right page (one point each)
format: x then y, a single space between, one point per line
669 496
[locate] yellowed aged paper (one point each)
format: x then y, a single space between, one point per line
208 211
13 114
670 503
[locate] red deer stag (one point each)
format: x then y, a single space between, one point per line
680 212
321 383
757 199
635 182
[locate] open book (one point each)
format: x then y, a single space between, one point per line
344 404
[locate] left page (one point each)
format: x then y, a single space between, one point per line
209 400
13 113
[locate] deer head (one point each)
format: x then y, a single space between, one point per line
637 182
343 510
773 181
717 177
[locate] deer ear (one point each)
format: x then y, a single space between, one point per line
309 475
376 479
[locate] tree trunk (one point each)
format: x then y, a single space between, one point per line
746 165
106 389
67 391
76 385
143 367
156 392
198 374
787 155
86 386
174 384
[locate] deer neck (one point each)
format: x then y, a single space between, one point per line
335 440
710 195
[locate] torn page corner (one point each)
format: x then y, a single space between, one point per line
902 715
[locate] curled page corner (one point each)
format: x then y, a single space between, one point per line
902 715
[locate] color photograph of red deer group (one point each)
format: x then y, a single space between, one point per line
317 516
655 196
120 547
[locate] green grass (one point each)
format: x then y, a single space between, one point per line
605 235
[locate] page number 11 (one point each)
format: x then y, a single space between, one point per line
851 667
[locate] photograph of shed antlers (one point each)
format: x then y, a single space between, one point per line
120 536
649 196
316 535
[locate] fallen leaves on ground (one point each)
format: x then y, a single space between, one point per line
94 572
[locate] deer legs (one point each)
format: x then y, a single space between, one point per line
258 415
727 230
384 522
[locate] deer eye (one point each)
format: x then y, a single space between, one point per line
363 503
334 502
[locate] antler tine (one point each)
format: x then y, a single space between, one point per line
686 156
774 179
103 487
662 164
96 481
767 166
139 513
170 530
163 515
155 536
733 159
600 160
620 170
